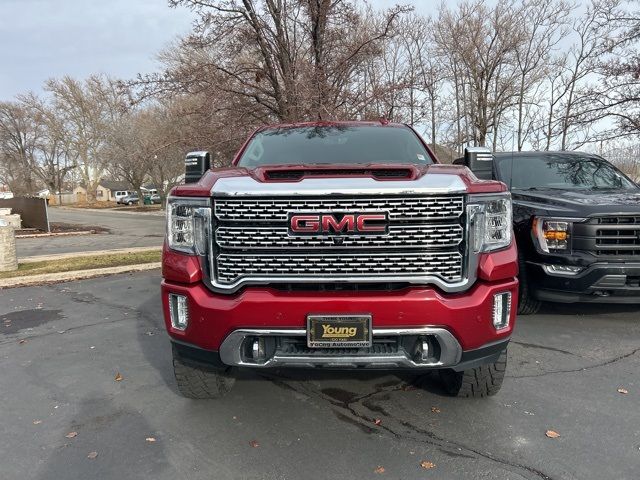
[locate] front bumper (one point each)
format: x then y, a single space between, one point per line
469 359
600 282
457 324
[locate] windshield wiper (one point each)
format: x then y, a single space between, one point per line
534 189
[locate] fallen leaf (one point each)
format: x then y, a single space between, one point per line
71 434
552 434
150 439
623 391
37 422
118 377
379 469
92 455
435 409
254 444
427 465
377 421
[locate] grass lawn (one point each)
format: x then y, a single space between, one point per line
84 262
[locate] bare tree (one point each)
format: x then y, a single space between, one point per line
544 26
290 60
482 44
85 109
616 96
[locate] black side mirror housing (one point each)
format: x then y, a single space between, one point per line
195 165
480 162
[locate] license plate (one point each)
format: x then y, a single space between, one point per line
339 331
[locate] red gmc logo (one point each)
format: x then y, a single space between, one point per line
338 223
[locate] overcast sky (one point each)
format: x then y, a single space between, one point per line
40 39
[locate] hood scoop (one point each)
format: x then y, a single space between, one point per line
293 174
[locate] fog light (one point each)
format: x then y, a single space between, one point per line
257 349
422 350
562 269
501 310
179 311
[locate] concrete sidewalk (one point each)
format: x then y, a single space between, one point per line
159 213
57 277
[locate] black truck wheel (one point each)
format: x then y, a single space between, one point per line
482 381
200 383
527 305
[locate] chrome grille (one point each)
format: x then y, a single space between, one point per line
408 236
399 208
446 265
425 242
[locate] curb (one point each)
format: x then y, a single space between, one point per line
157 213
61 234
73 275
96 253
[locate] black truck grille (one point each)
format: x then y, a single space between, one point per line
609 236
252 244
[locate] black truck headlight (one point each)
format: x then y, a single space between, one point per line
491 217
553 234
188 224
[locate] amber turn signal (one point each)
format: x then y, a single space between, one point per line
557 235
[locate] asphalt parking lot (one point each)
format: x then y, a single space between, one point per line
126 229
62 346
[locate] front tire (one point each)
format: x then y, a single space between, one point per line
527 305
200 383
479 382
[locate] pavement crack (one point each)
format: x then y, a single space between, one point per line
70 329
544 347
348 407
580 369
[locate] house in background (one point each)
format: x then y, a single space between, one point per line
112 190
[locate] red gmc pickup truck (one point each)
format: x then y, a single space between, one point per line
339 245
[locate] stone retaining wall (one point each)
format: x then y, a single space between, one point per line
14 220
8 257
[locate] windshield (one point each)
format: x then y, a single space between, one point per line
339 144
565 172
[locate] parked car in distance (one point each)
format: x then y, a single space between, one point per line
130 199
133 199
576 223
120 194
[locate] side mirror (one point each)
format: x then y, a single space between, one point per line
195 165
480 162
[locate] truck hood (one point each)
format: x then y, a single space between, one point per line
338 179
580 203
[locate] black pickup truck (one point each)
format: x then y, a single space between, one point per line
576 222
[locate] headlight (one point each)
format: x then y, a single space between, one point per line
491 216
553 234
188 221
